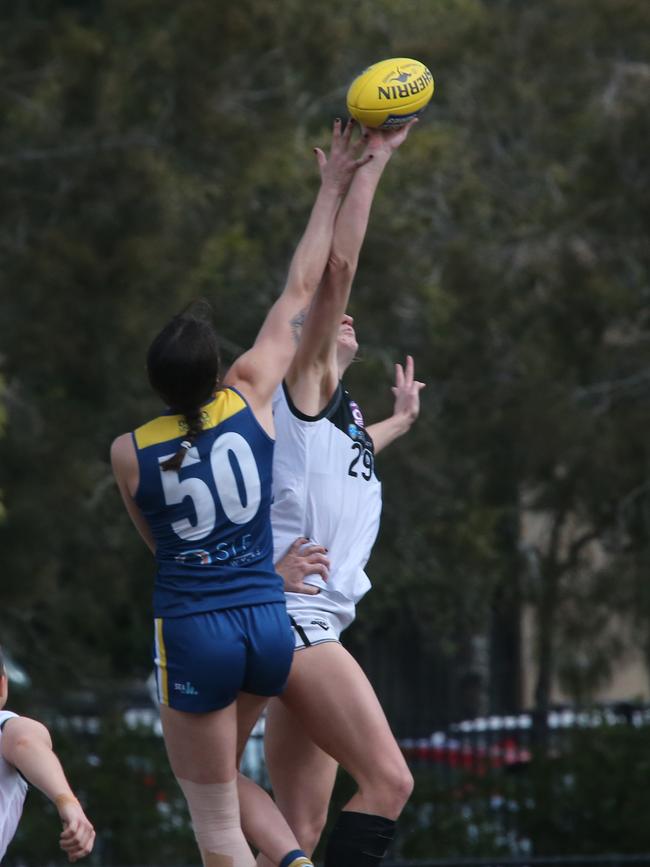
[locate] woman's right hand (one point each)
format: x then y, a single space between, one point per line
301 559
383 142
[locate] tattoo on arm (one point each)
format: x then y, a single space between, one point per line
296 324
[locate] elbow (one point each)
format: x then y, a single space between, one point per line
341 266
338 271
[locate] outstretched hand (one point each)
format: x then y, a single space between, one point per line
302 559
385 141
407 391
343 161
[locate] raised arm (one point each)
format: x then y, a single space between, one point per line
406 409
26 744
313 374
260 370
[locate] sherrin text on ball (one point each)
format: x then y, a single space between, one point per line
390 93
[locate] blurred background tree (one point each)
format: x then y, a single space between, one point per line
156 151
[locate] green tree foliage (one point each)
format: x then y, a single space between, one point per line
3 421
155 151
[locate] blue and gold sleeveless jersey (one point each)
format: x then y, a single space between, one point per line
211 519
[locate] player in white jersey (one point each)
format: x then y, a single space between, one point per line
26 756
326 490
325 487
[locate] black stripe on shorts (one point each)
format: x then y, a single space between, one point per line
301 632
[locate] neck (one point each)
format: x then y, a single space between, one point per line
342 365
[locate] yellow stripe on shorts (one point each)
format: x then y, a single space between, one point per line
161 663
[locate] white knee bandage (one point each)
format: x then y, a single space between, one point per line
214 808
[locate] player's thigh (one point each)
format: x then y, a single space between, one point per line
333 700
249 708
201 746
302 774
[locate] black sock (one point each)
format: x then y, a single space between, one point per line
358 840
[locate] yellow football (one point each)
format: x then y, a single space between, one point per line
390 93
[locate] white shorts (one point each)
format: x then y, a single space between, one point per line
320 618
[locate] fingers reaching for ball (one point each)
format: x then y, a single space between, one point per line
386 98
338 170
388 140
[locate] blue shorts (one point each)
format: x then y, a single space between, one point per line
204 660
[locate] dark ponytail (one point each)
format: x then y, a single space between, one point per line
194 422
183 366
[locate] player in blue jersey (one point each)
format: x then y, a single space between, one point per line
196 482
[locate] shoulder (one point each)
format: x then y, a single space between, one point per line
5 716
21 730
244 372
312 391
244 381
122 451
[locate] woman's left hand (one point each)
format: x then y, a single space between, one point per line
406 391
303 558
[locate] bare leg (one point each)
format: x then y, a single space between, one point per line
201 746
263 823
331 698
202 753
302 776
249 708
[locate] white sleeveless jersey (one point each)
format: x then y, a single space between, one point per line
325 488
13 789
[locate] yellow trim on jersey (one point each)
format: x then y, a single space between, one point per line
168 427
161 653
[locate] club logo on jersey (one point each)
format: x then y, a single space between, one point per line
238 552
196 555
357 415
360 436
322 623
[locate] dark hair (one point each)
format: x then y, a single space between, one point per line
2 662
183 365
